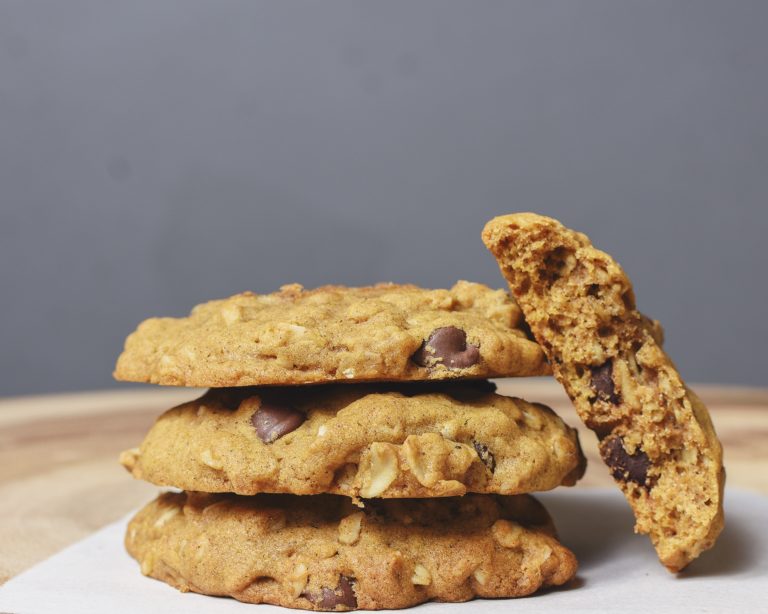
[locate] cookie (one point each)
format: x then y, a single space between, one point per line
655 435
297 336
390 441
323 553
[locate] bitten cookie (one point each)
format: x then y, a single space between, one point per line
411 440
323 553
655 434
333 333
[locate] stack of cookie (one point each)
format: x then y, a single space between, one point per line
350 452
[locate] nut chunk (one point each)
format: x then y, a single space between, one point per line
655 434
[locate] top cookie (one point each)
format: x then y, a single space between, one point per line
655 434
333 333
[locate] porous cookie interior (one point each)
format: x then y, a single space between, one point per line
655 434
407 440
335 333
323 553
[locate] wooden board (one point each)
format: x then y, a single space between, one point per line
60 480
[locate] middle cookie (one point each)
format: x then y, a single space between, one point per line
359 441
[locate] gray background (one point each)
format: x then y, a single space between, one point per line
155 154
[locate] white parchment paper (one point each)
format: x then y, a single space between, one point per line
618 571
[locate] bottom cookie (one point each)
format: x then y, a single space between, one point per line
323 553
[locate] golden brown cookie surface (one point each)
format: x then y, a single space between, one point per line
334 333
323 553
407 440
656 435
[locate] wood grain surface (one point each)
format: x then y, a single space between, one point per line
60 480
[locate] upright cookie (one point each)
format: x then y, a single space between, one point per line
407 440
655 434
323 553
333 333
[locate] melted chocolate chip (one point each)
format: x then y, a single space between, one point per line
449 345
272 421
602 383
625 467
485 455
329 598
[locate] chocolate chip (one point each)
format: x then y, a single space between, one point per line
329 598
625 467
485 455
272 421
449 345
602 383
